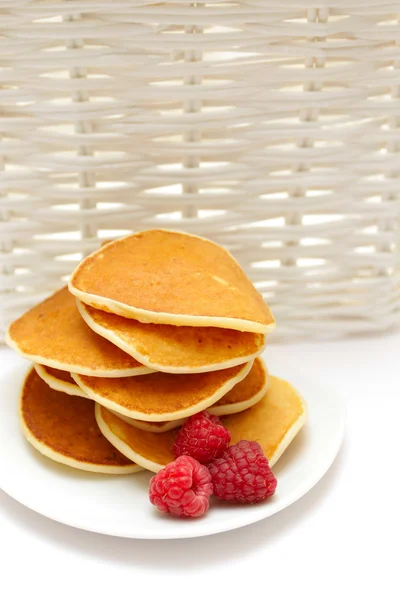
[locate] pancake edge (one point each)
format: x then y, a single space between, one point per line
124 448
48 362
232 409
146 426
72 389
154 366
161 318
157 417
147 316
293 431
48 452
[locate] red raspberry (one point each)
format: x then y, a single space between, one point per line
243 474
203 437
182 488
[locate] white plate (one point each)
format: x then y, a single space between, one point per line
119 505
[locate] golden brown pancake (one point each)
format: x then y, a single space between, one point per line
175 349
54 334
245 394
162 396
64 429
59 380
154 450
273 423
171 278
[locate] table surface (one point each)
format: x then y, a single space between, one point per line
336 542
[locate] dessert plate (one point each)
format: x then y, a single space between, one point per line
118 504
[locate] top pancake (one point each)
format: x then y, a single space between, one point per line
54 334
171 278
175 349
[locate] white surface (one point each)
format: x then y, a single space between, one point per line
336 542
122 507
208 116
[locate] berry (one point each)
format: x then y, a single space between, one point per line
203 437
182 488
243 474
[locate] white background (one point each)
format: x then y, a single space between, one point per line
339 541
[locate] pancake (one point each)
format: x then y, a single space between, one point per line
273 423
59 380
175 349
246 393
171 278
64 429
162 396
54 334
153 450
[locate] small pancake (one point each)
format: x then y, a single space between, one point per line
64 429
54 334
173 349
273 423
171 278
162 396
59 380
246 393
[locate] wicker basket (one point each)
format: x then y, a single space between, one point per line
270 127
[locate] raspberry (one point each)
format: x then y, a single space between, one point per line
203 437
182 488
243 474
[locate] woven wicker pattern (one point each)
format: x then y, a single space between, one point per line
270 127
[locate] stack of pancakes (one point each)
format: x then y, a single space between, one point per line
154 328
